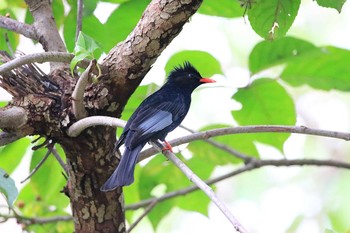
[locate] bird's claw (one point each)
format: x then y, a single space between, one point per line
167 147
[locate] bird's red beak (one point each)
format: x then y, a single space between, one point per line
206 80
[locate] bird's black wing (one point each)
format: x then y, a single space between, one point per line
154 118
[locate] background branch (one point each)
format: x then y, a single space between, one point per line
8 137
202 185
251 165
249 129
19 27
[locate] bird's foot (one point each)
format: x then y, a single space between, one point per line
167 147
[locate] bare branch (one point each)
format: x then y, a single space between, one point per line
75 129
7 138
36 168
79 110
249 129
251 165
221 146
144 214
12 118
79 19
21 28
35 220
36 57
203 186
60 161
46 29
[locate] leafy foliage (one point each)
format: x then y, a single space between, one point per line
264 101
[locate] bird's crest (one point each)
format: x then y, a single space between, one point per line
186 68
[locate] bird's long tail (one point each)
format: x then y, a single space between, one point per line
124 174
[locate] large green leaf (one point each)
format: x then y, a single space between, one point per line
223 8
326 68
203 61
271 19
336 4
265 101
8 187
270 53
12 154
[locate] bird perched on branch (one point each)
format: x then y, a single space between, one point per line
156 116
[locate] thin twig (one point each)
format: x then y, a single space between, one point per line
144 214
79 110
253 164
59 159
75 129
249 129
38 166
16 26
79 19
221 146
35 220
203 186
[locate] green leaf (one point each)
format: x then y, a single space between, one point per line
203 61
336 4
265 101
217 156
84 48
12 154
326 68
223 8
270 53
122 21
8 187
271 19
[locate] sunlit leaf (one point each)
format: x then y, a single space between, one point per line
8 187
326 68
223 8
265 101
336 4
203 61
270 53
271 19
12 154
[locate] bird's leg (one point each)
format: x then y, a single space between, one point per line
167 147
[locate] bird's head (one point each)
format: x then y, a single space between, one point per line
187 76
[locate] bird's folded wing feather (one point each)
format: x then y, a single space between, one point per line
152 119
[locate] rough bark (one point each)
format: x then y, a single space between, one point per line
47 102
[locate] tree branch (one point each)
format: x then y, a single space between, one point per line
78 106
144 214
249 129
12 118
202 185
130 60
75 129
251 165
21 28
79 19
46 28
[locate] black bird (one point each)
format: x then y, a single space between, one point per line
157 115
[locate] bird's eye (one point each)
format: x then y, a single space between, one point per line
190 75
